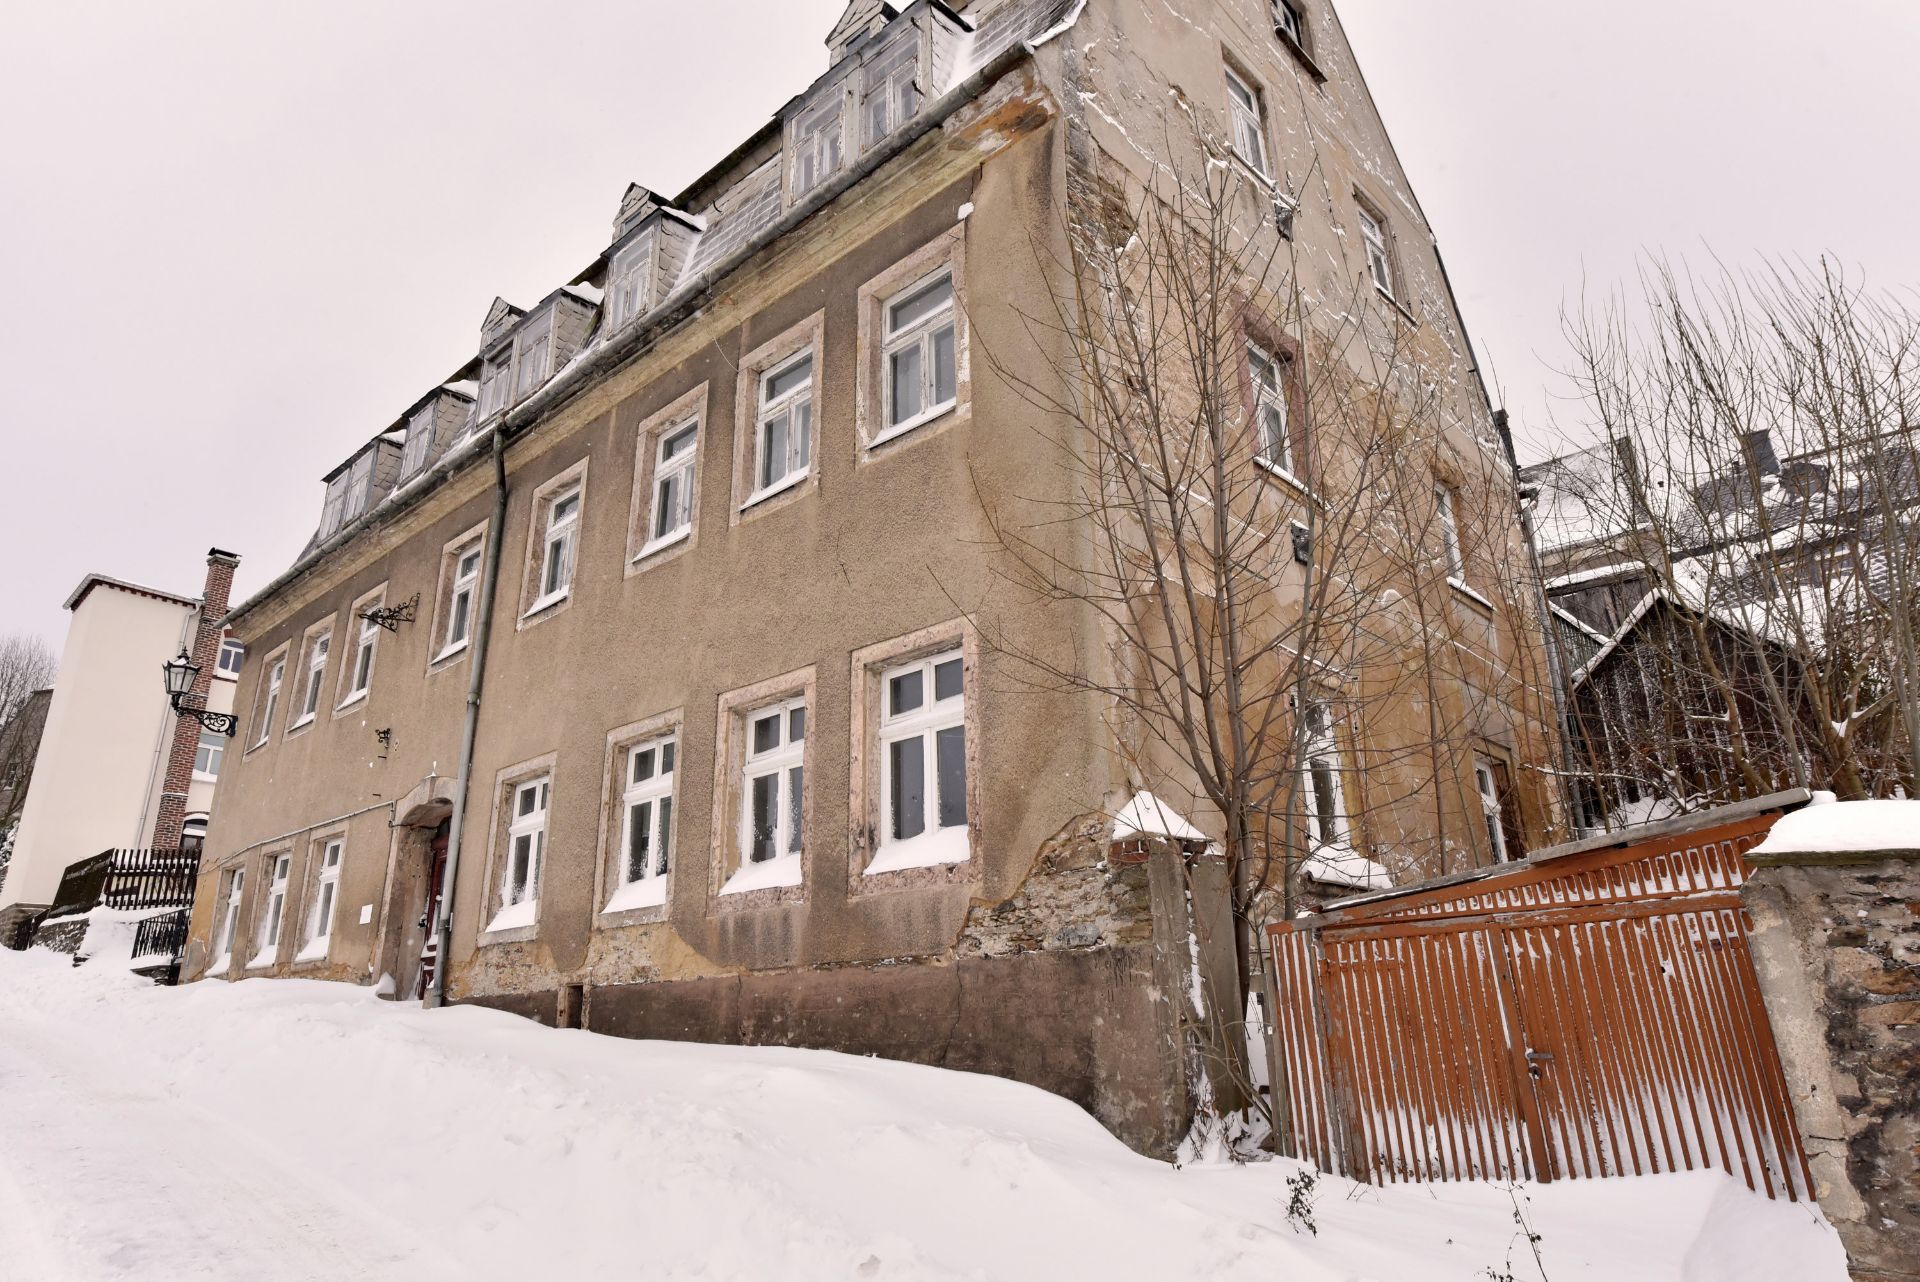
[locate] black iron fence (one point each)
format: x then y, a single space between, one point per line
164 936
150 879
136 880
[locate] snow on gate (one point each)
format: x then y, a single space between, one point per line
1592 1011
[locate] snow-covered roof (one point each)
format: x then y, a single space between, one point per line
1336 866
1845 827
92 581
1147 816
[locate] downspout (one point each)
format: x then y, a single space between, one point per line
483 632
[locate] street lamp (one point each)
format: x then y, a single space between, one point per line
180 675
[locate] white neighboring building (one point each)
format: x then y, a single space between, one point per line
100 773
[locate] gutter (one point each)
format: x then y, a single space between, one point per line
685 302
476 677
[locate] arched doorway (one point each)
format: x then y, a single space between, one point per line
415 890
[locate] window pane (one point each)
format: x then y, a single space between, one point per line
906 760
797 725
457 629
904 693
643 765
789 379
803 433
517 868
950 746
906 375
765 808
639 837
773 462
665 843
946 679
325 924
943 366
766 734
678 443
796 808
666 757
525 802
919 306
1325 811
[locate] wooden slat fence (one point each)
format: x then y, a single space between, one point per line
1589 1015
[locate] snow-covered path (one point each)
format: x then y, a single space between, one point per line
291 1130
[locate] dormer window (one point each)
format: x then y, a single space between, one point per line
819 147
336 504
419 442
1288 22
536 352
627 292
493 384
890 102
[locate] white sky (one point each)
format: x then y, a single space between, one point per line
237 238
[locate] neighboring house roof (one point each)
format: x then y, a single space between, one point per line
93 581
1578 642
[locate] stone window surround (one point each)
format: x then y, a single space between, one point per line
863 777
261 731
1258 331
505 781
611 835
346 702
572 479
439 657
690 408
308 886
303 673
1365 202
1233 67
729 760
808 334
946 251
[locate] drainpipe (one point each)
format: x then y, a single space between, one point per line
483 631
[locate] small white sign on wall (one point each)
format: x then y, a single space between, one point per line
366 914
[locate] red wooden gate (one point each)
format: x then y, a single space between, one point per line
1582 1014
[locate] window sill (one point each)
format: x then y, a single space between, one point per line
225 676
315 951
780 486
1301 56
913 424
514 922
205 778
1253 171
929 850
219 968
548 601
653 547
1406 313
457 648
771 875
358 696
1460 587
636 896
301 724
263 960
1286 477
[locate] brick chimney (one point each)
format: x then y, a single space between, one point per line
167 825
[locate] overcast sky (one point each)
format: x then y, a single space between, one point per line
238 238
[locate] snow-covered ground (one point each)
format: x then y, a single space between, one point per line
294 1130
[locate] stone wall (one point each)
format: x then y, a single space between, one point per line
1836 942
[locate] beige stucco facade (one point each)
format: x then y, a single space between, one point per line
1026 954
98 777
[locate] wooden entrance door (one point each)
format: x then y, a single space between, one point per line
430 907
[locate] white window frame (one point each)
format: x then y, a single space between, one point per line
626 295
1452 551
273 913
819 145
934 843
1270 404
1489 789
1289 22
463 598
326 900
276 679
229 921
1247 110
238 653
786 763
360 675
496 380
656 792
317 650
334 506
1378 243
359 488
1322 779
533 362
674 470
796 405
419 439
559 547
530 827
890 103
209 755
922 334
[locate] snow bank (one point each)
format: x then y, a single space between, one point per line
297 1130
1846 827
1147 816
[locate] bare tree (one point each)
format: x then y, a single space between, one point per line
1249 504
1764 479
27 664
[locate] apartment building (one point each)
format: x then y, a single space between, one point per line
641 675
